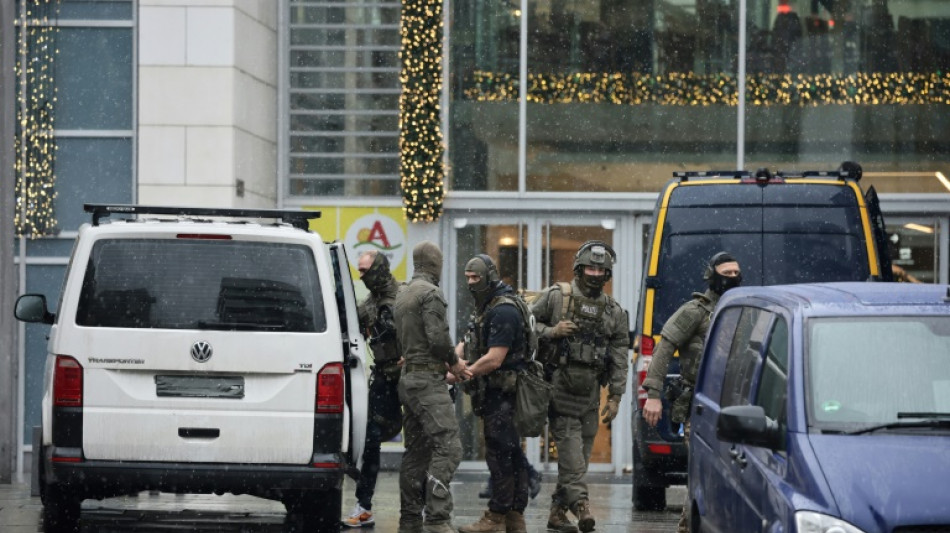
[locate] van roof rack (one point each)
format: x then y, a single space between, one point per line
296 218
711 174
828 174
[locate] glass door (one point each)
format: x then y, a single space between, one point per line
531 252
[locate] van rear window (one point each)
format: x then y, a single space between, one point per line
201 284
765 259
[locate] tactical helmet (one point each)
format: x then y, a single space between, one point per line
483 265
597 254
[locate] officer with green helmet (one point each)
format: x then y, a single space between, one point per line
685 331
589 333
430 428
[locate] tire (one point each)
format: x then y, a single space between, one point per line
60 510
311 511
647 496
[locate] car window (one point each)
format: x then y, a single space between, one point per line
201 284
744 356
866 370
717 350
773 385
803 258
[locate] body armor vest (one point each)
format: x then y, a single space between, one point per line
589 345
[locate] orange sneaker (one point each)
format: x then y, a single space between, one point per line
359 518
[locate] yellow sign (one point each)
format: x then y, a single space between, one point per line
366 228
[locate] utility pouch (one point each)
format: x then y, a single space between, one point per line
531 400
503 380
576 379
475 388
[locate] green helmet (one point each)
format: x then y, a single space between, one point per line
596 254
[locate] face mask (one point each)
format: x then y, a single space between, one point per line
719 284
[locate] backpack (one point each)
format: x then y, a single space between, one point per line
546 352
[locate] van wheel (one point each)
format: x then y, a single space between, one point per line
60 510
647 496
310 511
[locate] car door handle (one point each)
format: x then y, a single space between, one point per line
699 409
738 456
199 433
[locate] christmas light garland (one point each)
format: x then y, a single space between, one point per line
35 143
421 146
688 89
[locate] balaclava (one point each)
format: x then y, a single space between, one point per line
718 283
427 258
378 276
482 265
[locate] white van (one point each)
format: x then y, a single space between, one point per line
215 351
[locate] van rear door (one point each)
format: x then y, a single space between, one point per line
199 349
880 234
354 356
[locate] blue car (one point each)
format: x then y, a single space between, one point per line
824 408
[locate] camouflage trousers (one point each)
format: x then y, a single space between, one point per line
433 449
683 526
575 439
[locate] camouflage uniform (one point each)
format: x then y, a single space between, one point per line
385 410
430 429
684 331
595 356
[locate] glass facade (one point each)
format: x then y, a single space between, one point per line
622 92
343 107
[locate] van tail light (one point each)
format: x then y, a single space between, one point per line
647 345
330 389
67 382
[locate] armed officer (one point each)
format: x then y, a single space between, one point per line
430 429
385 411
685 331
590 333
495 351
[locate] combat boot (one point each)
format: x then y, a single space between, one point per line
558 520
410 528
489 523
514 522
585 520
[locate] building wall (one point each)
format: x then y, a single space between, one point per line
208 103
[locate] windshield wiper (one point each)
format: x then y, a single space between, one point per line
909 420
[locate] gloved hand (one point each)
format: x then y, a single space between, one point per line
611 409
564 328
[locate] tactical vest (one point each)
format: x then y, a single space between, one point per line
382 340
589 345
583 364
505 376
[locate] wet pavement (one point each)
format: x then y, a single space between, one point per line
610 503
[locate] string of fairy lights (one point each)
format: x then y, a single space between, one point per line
689 89
35 143
421 147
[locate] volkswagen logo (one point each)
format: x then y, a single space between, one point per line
201 351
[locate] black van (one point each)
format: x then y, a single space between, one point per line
783 228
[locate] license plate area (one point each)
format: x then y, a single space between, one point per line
224 387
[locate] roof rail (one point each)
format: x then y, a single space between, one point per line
828 174
297 218
711 174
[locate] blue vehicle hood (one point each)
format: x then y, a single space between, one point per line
881 481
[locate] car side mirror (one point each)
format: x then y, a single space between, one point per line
748 424
32 308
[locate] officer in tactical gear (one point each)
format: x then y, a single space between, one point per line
591 334
685 331
495 351
430 429
385 411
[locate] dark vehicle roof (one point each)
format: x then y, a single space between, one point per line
848 298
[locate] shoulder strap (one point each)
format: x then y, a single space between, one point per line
566 294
